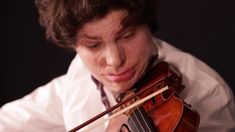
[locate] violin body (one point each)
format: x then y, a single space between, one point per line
152 105
165 112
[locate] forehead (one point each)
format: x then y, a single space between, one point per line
110 23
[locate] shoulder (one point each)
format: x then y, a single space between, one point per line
205 89
198 77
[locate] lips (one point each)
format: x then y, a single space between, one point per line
124 76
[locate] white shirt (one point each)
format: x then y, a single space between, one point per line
73 98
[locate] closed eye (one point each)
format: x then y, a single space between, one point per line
126 34
93 45
90 44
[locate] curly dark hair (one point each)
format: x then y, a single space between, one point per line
62 19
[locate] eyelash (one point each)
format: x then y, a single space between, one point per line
127 35
93 45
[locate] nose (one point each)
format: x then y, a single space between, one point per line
115 56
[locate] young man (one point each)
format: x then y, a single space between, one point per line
114 43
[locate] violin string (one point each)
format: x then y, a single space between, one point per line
138 122
136 128
143 119
99 122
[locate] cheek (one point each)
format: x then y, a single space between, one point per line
140 49
88 59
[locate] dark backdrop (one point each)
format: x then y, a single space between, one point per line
205 28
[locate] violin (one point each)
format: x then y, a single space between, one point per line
152 105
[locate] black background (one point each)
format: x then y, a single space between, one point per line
205 28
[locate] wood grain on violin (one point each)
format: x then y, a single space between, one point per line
152 105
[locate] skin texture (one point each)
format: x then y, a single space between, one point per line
115 56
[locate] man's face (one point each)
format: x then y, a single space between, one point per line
117 57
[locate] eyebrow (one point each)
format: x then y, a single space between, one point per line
89 37
120 32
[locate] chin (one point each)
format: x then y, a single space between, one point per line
120 88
